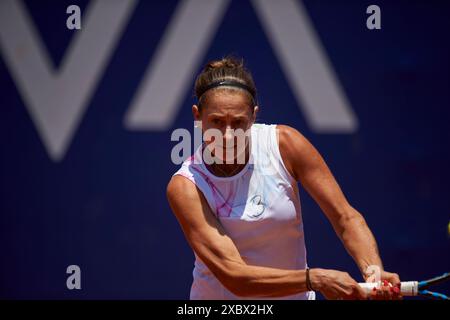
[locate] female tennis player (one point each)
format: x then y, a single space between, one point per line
243 218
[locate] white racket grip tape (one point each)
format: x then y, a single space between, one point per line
407 288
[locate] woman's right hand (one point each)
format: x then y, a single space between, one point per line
336 285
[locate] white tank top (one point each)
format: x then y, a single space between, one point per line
259 208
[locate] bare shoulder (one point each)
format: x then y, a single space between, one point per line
288 135
180 188
189 205
177 184
292 145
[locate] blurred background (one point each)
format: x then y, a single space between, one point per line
87 115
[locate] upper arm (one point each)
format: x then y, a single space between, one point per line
203 231
309 168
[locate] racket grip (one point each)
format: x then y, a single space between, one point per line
407 288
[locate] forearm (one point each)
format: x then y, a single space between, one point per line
359 240
255 281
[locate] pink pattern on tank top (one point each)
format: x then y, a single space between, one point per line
223 206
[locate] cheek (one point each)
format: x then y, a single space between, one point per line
246 125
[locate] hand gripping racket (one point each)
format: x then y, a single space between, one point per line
415 288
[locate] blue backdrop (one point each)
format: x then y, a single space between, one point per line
102 206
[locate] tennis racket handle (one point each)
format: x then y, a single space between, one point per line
407 288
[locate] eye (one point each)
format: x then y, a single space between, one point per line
238 122
216 121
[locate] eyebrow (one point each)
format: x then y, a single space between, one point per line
218 115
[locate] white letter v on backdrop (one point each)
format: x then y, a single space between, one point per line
57 99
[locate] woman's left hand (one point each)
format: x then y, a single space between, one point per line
389 287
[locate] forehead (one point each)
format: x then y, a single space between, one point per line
227 101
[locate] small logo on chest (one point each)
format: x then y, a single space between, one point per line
256 206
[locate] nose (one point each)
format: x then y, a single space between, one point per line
229 134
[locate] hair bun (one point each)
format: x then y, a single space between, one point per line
227 62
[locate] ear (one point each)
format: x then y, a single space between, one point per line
196 113
255 113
